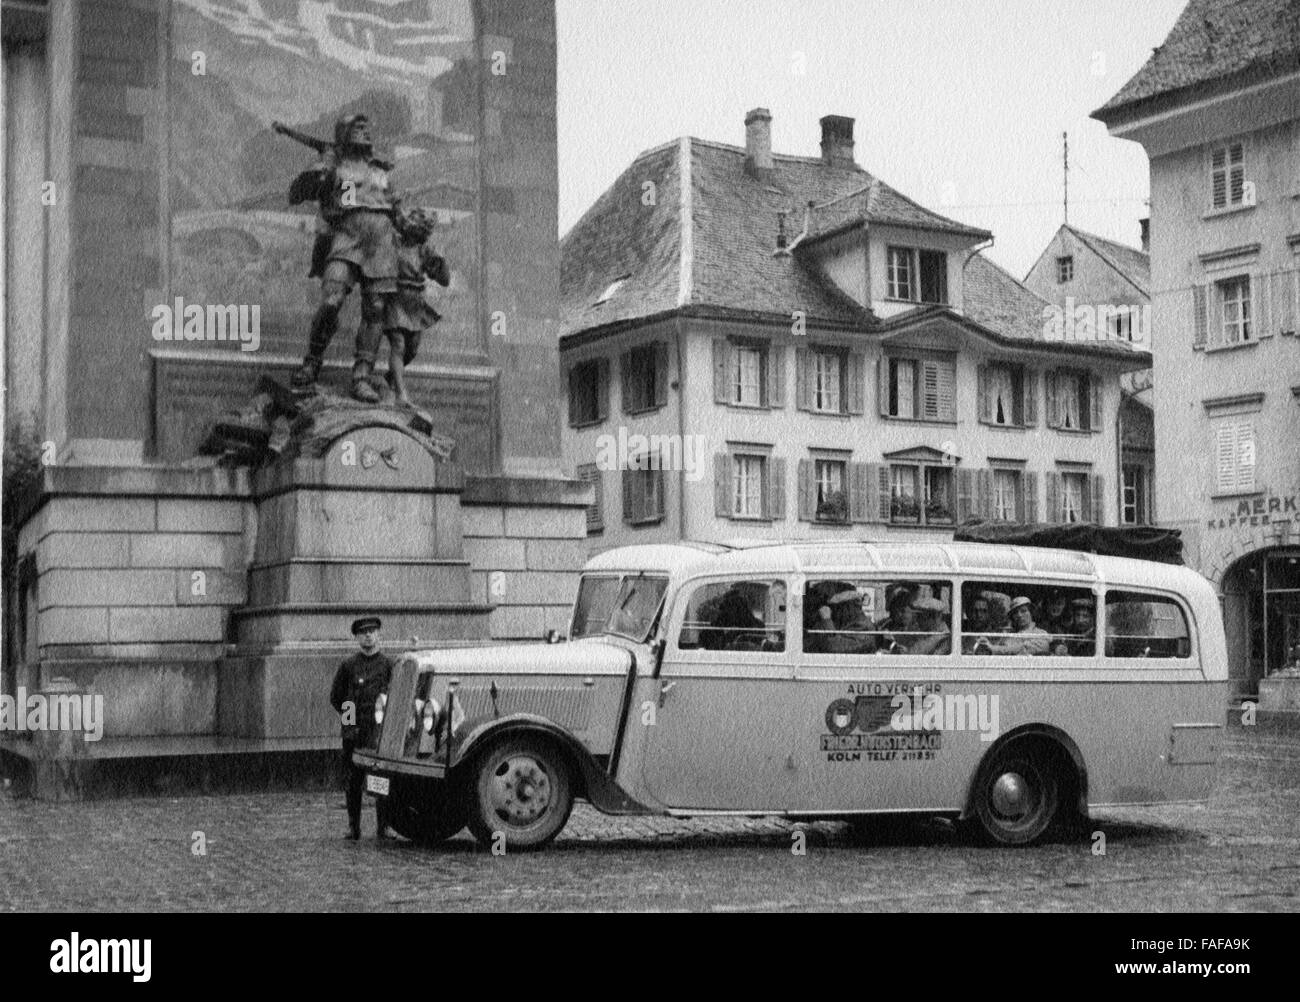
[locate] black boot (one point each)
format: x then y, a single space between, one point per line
305 377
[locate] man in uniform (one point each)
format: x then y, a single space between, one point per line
357 685
358 207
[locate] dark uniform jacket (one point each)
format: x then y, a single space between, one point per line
359 680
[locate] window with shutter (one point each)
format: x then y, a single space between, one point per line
1227 175
1006 493
585 404
1234 322
832 490
749 475
643 491
826 382
645 378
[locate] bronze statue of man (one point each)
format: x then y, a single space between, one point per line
357 207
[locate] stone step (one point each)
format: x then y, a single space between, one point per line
307 580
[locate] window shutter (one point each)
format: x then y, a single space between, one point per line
659 499
776 377
1225 444
878 477
947 390
625 368
801 395
1053 497
965 498
1218 178
807 492
1028 497
721 371
1094 402
1245 442
859 477
984 494
629 500
1286 292
602 389
1200 316
1053 411
775 496
1029 388
982 393
1099 498
1261 304
596 511
882 385
661 374
722 485
930 389
856 379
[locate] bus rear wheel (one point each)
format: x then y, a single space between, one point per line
1017 796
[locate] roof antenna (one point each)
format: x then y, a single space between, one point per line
1065 139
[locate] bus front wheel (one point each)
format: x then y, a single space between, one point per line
1017 795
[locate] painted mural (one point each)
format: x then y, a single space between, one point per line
236 66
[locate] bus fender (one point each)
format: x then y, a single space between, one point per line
597 786
1050 733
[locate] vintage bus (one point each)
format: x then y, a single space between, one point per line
1009 686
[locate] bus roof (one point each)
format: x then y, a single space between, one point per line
901 557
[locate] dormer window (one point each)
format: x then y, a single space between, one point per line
1065 269
917 276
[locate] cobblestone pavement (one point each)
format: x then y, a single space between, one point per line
281 851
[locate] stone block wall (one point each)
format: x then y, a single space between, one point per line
526 541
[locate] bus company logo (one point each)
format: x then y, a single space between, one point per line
861 729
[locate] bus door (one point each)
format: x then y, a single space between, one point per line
720 737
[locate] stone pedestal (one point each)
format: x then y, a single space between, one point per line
370 525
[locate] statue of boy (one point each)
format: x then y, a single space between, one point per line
358 208
407 313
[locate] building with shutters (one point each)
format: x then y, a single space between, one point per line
767 346
1217 109
1109 284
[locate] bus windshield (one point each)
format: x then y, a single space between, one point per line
623 605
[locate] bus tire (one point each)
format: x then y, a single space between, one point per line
1017 794
519 792
426 812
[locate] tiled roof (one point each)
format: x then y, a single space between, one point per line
1133 264
996 300
876 202
730 263
1213 41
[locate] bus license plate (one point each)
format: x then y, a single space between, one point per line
377 785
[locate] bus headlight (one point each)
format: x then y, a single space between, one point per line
380 702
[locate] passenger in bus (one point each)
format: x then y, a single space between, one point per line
978 622
893 630
1027 638
931 634
1056 615
1083 644
734 627
853 629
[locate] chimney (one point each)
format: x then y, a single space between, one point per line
758 144
837 141
1146 234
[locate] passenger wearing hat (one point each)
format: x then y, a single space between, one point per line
932 635
898 600
1083 643
843 614
357 685
1027 638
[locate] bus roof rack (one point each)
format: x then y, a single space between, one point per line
1140 542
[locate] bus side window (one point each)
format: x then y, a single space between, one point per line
1145 626
735 616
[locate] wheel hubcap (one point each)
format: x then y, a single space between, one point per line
520 790
1012 797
